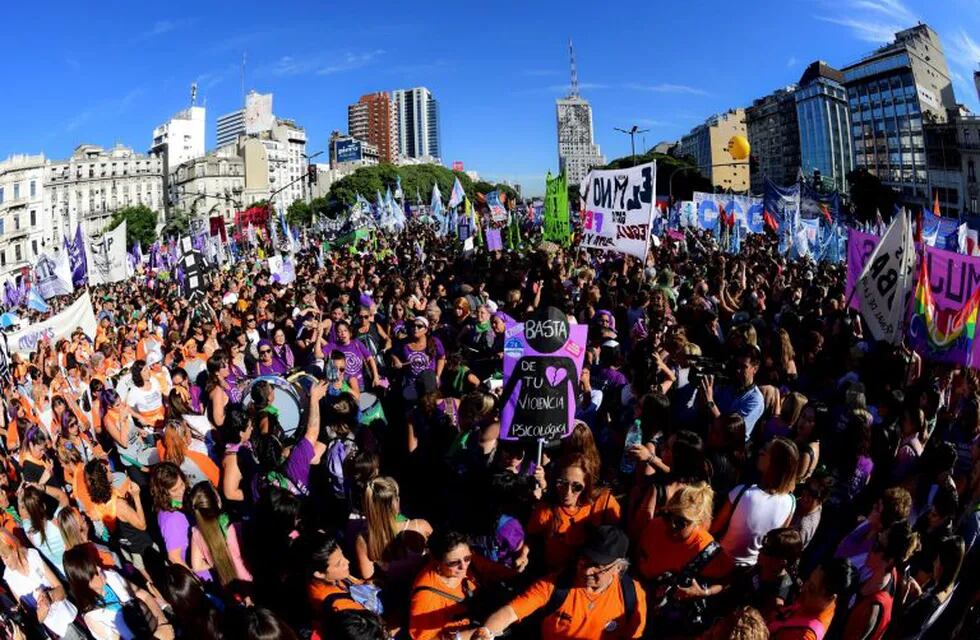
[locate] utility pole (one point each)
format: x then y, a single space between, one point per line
632 134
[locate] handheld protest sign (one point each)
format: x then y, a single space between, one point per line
543 359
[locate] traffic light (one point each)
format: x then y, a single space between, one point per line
311 174
753 163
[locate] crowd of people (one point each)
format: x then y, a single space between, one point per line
324 458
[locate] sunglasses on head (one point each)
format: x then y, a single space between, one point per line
576 487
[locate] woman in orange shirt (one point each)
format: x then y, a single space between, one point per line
442 591
810 616
560 522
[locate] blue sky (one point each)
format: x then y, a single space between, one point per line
109 72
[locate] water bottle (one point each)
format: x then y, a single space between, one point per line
633 437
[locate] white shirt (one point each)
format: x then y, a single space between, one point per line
27 587
106 623
756 514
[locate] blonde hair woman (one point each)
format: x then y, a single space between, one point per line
392 544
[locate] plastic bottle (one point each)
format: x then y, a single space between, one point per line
633 437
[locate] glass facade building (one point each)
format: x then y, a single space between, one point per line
889 93
825 128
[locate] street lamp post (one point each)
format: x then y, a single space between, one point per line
632 134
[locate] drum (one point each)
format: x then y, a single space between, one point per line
290 400
371 409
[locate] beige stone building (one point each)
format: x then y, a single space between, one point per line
708 145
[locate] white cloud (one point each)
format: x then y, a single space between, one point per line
792 62
162 27
351 61
893 8
667 87
874 21
319 64
866 30
106 109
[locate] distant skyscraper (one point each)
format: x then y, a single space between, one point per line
889 92
577 150
976 81
774 137
825 124
230 126
374 119
418 124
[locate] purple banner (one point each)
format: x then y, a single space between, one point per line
543 361
494 241
952 278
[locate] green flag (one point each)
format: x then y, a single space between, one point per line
556 227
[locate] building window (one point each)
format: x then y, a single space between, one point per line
17 223
17 253
33 218
34 246
33 188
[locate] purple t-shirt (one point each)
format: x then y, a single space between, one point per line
298 464
419 361
175 530
355 353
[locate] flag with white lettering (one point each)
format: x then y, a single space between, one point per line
886 281
619 207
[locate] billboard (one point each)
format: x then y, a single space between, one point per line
258 112
348 150
457 165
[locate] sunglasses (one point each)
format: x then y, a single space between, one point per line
596 569
419 326
249 319
456 564
576 487
678 523
265 350
365 317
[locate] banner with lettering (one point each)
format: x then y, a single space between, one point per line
79 314
619 207
543 359
748 211
953 277
107 258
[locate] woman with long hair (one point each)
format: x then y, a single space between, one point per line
806 435
179 447
112 607
420 352
38 520
751 511
392 545
167 488
215 547
199 616
115 509
238 463
281 351
219 391
129 439
560 522
75 530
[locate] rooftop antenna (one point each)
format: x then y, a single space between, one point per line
571 55
243 76
193 93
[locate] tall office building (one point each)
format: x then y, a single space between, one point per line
825 124
230 126
890 92
774 136
577 150
418 124
374 119
708 144
181 138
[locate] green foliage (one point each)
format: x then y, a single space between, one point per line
685 183
141 224
299 213
178 224
870 196
416 178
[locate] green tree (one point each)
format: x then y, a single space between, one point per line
299 213
869 195
178 224
141 224
415 179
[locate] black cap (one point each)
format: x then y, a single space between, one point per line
606 544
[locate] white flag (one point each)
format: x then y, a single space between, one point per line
887 280
107 258
52 275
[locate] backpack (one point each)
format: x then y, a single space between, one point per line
563 585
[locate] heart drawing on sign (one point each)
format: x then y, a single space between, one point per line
555 375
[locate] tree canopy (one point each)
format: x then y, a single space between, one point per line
685 183
178 224
141 224
416 178
869 195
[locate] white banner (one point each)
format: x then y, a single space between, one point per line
107 257
619 207
52 276
79 314
886 281
258 113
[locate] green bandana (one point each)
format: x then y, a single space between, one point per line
483 327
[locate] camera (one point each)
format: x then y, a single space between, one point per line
702 366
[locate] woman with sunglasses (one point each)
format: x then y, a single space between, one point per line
267 364
559 524
443 592
671 541
420 352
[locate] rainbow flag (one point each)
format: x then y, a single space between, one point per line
944 328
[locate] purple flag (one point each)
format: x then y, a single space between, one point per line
76 257
9 295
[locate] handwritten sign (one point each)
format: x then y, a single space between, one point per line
543 359
619 207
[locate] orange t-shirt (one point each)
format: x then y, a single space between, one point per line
564 530
319 591
658 552
584 616
794 631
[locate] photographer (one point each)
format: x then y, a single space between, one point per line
741 396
